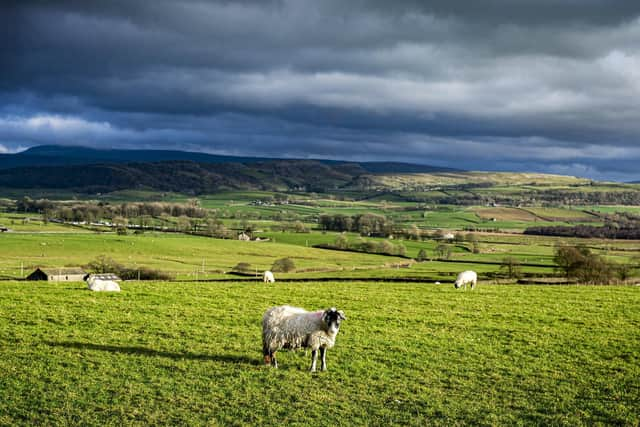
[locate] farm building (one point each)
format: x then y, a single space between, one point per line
103 276
58 274
244 236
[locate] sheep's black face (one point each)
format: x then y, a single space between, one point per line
332 318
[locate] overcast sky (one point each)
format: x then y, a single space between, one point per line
535 85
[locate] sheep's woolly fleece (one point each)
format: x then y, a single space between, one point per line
294 327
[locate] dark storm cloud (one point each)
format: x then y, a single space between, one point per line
542 85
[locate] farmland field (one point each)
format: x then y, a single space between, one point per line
412 352
180 254
198 257
189 353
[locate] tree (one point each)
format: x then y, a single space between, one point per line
284 265
595 270
385 247
341 242
570 259
183 223
623 271
422 255
578 262
443 251
512 267
414 232
299 227
242 267
104 264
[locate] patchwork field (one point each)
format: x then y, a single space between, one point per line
507 214
189 354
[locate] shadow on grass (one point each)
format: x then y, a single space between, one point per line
143 351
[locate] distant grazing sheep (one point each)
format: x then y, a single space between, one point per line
466 277
102 285
268 277
292 327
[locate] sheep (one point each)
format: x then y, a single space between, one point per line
268 277
102 285
293 328
466 277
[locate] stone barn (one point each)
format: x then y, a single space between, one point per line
58 274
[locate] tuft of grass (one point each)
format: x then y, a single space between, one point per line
185 353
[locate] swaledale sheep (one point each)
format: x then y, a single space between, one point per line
268 277
466 277
293 327
102 285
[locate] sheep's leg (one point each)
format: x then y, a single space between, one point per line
274 361
266 353
323 358
314 358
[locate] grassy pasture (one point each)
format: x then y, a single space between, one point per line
189 354
177 253
561 214
183 255
507 214
32 223
614 209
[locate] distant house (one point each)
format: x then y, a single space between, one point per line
103 276
448 236
244 236
58 274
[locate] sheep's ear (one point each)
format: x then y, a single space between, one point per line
341 314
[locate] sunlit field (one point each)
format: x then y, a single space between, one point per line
409 354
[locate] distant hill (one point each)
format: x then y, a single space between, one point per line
59 155
184 176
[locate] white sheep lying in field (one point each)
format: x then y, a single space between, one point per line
466 277
268 277
102 285
292 327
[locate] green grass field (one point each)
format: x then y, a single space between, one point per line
175 253
196 257
189 354
33 223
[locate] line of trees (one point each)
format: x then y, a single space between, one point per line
586 231
96 211
366 224
623 227
578 262
368 246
